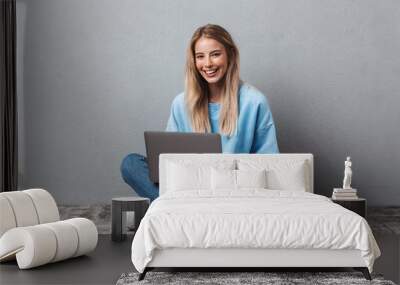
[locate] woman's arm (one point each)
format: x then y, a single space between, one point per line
172 125
177 119
264 140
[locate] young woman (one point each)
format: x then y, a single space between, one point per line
215 101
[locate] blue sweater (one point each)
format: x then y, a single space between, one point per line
255 126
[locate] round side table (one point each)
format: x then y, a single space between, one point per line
119 206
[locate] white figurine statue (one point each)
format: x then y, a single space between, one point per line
347 174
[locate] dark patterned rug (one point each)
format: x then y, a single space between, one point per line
100 214
244 278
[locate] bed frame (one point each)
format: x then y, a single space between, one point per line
251 258
259 258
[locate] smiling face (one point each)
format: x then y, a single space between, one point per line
211 59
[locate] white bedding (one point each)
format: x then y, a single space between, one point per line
251 218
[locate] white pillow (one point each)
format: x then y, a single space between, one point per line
223 179
237 179
281 174
251 178
187 175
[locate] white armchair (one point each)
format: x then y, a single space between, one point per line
32 233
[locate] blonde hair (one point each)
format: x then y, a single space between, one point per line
196 87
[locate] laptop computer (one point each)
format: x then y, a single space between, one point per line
176 142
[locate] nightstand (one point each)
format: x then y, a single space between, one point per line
358 206
121 205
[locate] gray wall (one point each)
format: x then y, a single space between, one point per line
95 74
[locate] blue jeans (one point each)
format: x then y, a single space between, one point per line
135 172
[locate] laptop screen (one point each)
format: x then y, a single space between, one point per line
177 142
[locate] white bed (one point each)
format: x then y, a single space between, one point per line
210 215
